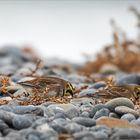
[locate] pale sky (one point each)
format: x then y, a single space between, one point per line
64 28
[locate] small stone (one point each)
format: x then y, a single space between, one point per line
98 85
126 134
84 135
14 136
68 109
84 114
121 101
23 109
40 121
128 79
3 125
137 122
84 121
96 108
43 128
87 92
101 128
86 107
7 117
124 109
102 112
20 122
113 115
82 100
129 117
59 125
49 135
74 127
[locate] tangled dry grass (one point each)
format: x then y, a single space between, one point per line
123 52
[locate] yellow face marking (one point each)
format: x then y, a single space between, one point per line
69 88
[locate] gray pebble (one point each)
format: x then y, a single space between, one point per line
23 109
40 122
129 117
20 122
33 137
101 128
98 85
126 134
113 115
84 121
137 122
14 135
59 125
86 107
82 101
68 109
84 135
84 114
7 117
3 125
74 127
121 101
96 108
124 109
102 112
128 79
49 135
87 92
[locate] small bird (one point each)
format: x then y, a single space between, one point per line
128 91
47 87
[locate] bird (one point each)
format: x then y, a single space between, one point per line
47 86
128 91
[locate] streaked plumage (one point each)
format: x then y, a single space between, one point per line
48 86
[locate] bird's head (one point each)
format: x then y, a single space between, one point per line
69 89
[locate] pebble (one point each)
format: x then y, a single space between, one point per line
124 110
40 121
84 121
126 134
85 114
23 109
74 78
74 127
68 109
101 113
21 121
101 128
86 107
121 101
96 108
98 85
49 135
87 92
137 122
7 117
81 101
129 117
59 125
3 125
128 79
84 135
113 115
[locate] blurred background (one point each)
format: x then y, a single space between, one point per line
66 29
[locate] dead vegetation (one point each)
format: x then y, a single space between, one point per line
123 52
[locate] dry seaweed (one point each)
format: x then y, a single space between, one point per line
123 52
